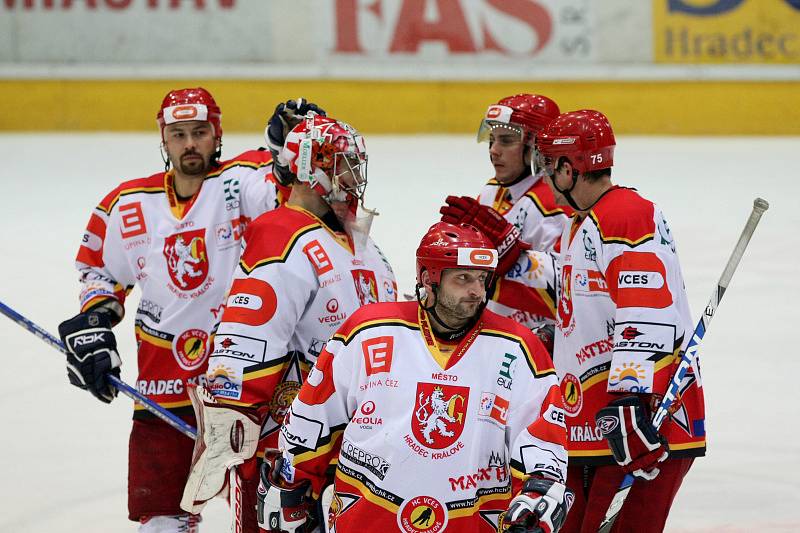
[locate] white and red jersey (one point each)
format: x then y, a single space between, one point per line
530 206
182 256
623 319
296 283
425 441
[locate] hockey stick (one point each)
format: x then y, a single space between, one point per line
759 206
120 385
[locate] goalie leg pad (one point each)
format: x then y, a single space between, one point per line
226 436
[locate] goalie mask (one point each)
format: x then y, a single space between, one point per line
330 156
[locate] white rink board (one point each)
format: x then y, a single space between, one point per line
63 454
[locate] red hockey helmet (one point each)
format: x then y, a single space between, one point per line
319 150
190 104
584 136
525 113
454 246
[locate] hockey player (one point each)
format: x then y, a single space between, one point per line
177 235
307 266
518 193
623 319
438 413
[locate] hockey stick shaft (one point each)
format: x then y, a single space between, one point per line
120 385
687 358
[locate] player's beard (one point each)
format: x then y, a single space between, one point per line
456 312
193 164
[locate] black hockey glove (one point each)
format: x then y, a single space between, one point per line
541 507
637 445
287 115
282 506
92 353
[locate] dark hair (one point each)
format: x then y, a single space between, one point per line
592 175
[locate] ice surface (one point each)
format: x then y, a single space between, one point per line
63 454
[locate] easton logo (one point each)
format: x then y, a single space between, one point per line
227 343
630 333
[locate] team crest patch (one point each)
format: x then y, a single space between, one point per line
571 394
366 286
422 514
191 348
282 399
187 259
439 414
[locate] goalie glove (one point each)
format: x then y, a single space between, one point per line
541 507
287 115
227 435
636 444
91 353
504 235
282 505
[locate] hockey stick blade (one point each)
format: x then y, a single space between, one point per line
687 358
120 385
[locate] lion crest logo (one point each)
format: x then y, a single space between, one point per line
439 414
187 259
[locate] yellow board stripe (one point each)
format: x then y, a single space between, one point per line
83 105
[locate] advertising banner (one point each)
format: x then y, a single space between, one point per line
726 31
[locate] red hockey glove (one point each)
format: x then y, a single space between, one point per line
503 235
541 507
637 445
282 505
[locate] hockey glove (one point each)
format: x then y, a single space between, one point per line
541 507
503 235
287 115
91 353
637 446
282 505
227 435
